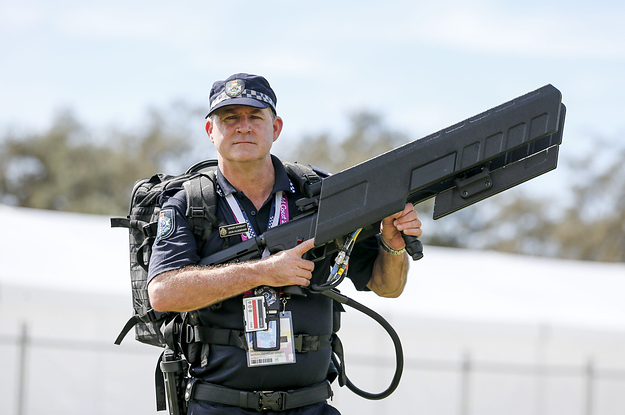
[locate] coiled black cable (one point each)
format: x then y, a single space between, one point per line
399 353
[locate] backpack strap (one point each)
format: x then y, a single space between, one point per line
202 206
307 178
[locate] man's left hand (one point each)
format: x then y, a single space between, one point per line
406 221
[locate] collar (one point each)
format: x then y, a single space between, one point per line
282 182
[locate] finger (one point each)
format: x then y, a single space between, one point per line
306 265
407 210
304 247
303 281
413 232
390 220
304 272
408 217
408 221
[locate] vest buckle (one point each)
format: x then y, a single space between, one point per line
274 401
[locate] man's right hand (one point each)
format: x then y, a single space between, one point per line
288 267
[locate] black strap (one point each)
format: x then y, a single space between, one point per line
146 246
303 343
147 317
210 335
171 331
159 385
129 325
338 356
120 223
202 206
306 343
275 401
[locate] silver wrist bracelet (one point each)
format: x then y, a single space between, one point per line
391 250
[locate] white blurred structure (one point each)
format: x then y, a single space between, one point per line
483 332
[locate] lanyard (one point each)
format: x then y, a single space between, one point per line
279 214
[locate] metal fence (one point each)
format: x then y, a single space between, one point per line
466 369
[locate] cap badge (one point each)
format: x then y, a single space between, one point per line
235 88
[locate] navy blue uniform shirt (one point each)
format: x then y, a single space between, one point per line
227 365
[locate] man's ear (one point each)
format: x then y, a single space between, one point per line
209 128
277 127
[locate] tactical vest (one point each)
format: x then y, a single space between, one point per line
175 330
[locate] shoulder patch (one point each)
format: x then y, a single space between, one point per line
165 224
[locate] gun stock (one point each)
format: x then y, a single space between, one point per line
460 165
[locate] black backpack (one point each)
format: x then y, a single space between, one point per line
142 221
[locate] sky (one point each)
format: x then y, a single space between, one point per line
422 66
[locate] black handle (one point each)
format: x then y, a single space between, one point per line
414 247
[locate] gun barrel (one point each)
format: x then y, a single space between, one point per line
380 187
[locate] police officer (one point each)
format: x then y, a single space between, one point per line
273 354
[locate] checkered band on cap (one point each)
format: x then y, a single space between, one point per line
247 93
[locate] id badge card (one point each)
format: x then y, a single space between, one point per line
283 355
265 340
254 313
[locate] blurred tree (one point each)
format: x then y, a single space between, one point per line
65 169
591 228
590 225
368 137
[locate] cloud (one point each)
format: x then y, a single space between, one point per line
17 17
542 32
100 22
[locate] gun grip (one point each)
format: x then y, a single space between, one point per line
414 247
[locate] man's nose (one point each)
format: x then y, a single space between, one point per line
243 126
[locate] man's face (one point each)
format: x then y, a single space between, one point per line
243 134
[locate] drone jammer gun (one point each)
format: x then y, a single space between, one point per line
460 165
